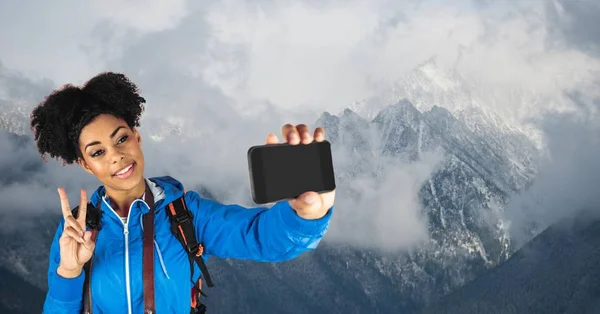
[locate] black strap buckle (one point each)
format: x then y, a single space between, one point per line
192 248
182 217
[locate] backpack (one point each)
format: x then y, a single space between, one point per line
181 227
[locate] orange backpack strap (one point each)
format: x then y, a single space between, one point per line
183 229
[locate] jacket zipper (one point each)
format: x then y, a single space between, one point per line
126 234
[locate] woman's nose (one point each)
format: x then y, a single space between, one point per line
117 156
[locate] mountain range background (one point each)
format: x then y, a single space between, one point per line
467 180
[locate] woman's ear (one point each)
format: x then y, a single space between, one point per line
84 165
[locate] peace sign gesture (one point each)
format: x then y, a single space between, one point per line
76 244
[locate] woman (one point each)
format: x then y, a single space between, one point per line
95 126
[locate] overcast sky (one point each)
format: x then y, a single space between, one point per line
238 70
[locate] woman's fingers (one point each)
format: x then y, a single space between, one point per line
74 234
272 139
82 209
64 203
304 132
290 134
319 134
72 254
88 242
300 134
71 222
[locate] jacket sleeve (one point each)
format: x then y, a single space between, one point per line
261 234
64 295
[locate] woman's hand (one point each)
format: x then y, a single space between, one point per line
76 244
309 205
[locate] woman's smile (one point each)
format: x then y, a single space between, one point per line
125 172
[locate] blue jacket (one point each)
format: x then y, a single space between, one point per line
227 231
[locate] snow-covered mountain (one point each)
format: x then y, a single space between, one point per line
13 118
18 96
425 86
463 199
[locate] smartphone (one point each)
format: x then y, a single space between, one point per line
284 171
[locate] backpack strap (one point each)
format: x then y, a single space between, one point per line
148 254
183 228
87 292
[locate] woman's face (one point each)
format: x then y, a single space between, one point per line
112 152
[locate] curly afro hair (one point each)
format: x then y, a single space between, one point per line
57 122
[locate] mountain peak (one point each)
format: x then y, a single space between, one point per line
348 113
441 111
400 107
423 86
325 115
431 62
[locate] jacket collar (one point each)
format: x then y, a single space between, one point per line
164 189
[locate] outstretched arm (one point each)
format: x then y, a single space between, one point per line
280 233
261 234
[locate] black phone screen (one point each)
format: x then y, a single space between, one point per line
285 171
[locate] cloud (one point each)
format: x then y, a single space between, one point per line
14 86
569 177
383 211
28 184
59 40
140 15
576 22
325 56
319 55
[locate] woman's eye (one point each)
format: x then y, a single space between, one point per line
97 153
123 139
